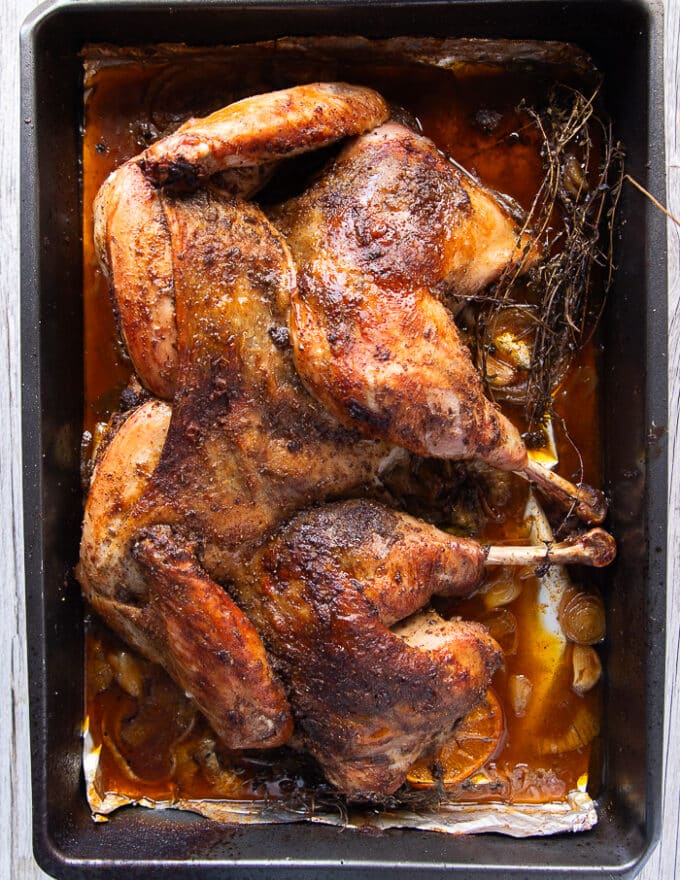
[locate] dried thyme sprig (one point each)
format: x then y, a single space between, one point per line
572 219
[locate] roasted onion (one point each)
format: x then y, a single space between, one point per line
582 617
583 728
502 625
501 588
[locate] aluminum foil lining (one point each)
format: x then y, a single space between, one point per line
575 813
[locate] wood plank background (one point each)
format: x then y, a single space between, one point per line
16 861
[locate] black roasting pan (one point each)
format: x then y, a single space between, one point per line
625 41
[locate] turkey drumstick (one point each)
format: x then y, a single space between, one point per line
388 231
323 594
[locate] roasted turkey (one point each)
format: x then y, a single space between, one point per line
297 352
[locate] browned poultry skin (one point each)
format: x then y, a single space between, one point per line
133 248
247 446
388 231
262 129
158 599
210 647
131 235
323 594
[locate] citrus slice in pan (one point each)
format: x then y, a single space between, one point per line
472 743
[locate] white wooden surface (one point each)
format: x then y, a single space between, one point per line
16 861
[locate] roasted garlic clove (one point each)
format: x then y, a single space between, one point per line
587 668
500 374
514 349
520 689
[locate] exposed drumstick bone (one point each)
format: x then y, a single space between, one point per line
589 504
596 548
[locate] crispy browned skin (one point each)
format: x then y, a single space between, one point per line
156 596
262 129
110 579
390 229
211 648
247 445
323 593
133 248
131 235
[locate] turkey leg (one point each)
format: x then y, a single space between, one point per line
324 593
389 231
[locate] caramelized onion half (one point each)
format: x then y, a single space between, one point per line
502 624
582 617
583 728
501 588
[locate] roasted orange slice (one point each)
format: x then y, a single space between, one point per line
472 743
